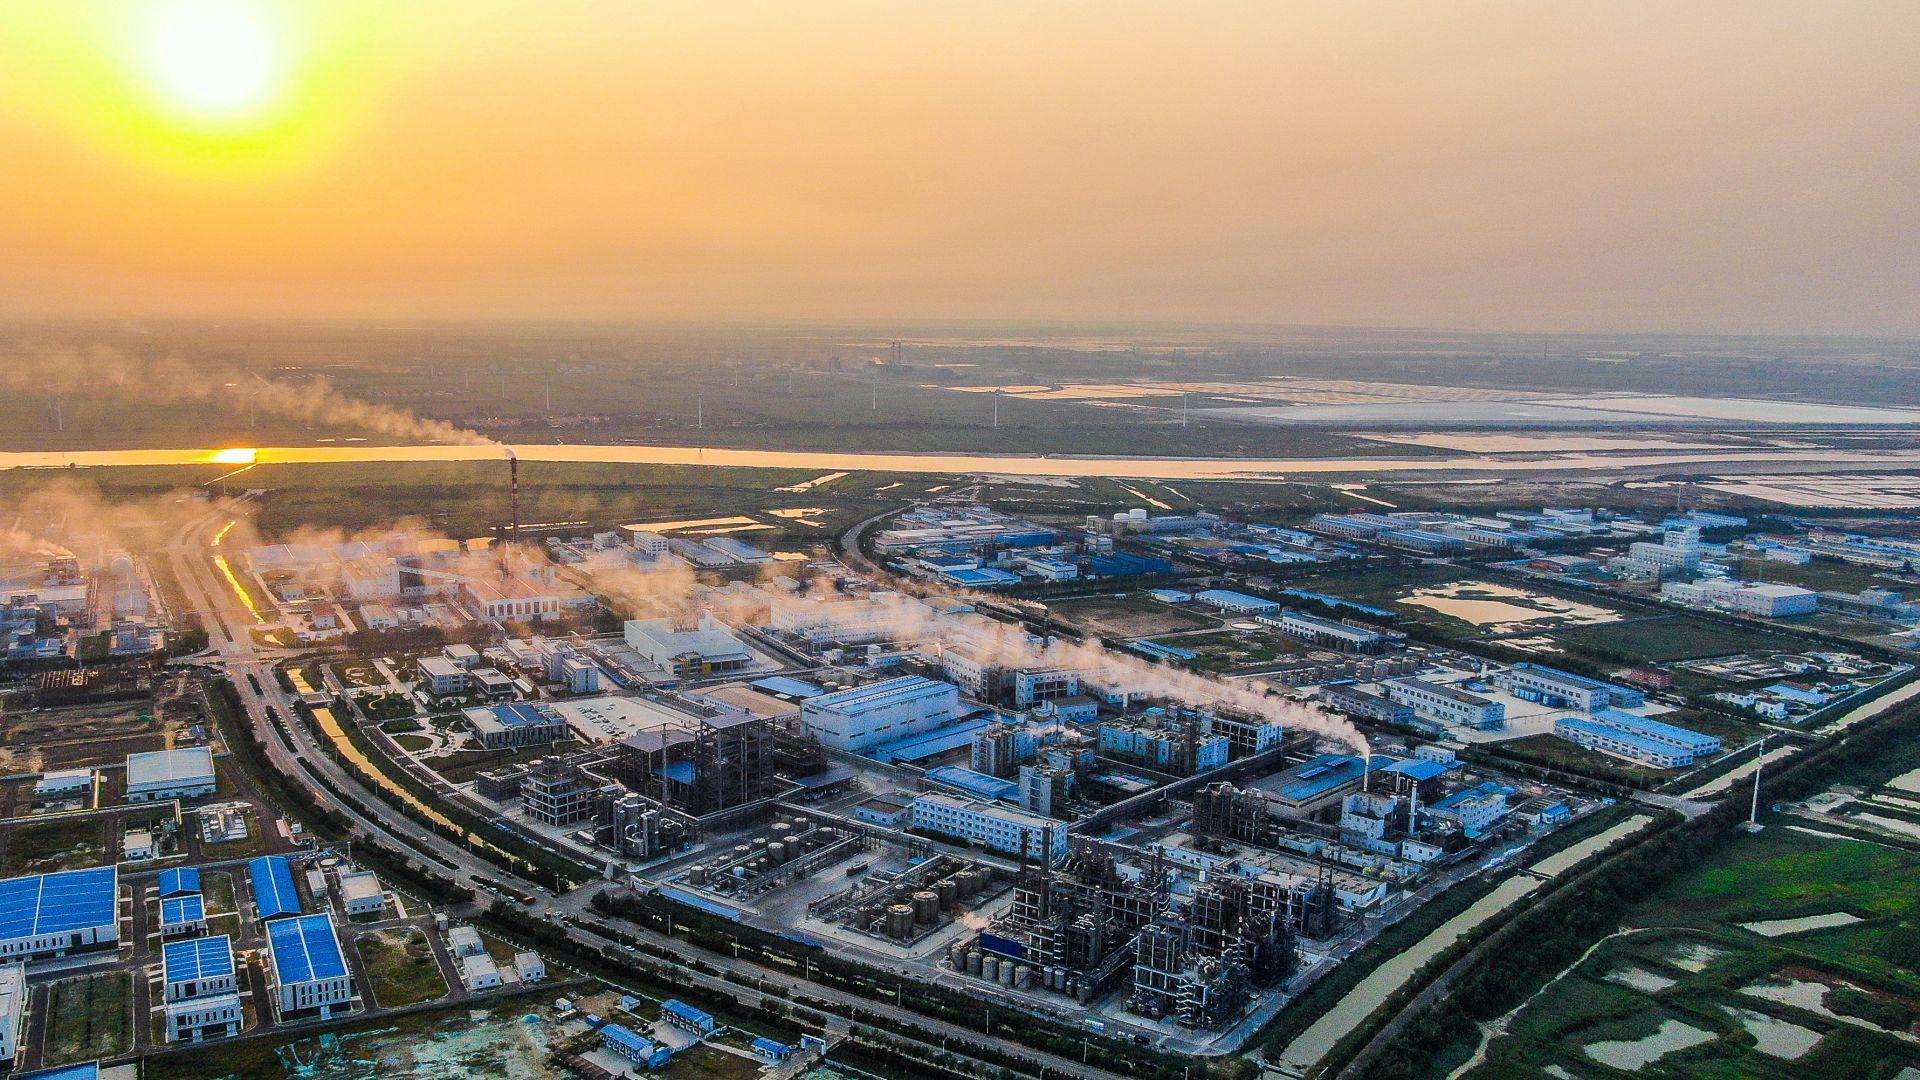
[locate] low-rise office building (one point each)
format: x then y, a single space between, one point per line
1446 704
998 828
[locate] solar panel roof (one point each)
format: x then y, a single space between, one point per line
273 891
198 959
59 903
305 949
176 910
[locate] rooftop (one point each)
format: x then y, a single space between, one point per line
197 959
59 903
304 949
164 767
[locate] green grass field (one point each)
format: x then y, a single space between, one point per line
89 1018
44 846
1671 637
401 967
1691 961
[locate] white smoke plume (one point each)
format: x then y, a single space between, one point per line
117 375
910 619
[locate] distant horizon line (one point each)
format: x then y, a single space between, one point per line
1060 326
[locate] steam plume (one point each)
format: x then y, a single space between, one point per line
113 373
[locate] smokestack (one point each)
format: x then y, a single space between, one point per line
513 495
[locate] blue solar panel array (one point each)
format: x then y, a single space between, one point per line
179 881
305 950
273 891
199 959
178 910
59 903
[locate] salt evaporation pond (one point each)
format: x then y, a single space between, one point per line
1773 1036
1636 1054
1801 925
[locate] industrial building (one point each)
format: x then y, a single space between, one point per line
273 893
1327 633
1181 742
1678 552
55 914
183 916
441 678
520 723
998 828
1565 690
1357 702
695 650
863 717
1637 738
170 774
1765 599
1237 603
307 972
13 1009
1446 704
361 894
201 989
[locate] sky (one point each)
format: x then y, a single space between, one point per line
1615 166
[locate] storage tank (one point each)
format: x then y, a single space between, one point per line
990 968
926 907
957 956
1022 977
776 853
1006 972
697 874
973 961
781 830
949 891
900 920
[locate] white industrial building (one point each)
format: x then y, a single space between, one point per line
998 828
704 649
1678 552
518 723
1327 633
360 891
1447 704
1744 597
479 972
13 1009
1564 689
307 971
201 989
442 677
170 774
846 622
864 717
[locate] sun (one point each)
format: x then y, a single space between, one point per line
213 60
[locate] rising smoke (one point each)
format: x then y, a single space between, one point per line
102 372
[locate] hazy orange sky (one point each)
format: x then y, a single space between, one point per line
1526 164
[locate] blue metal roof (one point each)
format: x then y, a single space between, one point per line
785 684
687 1012
180 910
698 903
1417 769
273 891
304 949
622 1035
977 784
59 903
198 959
830 777
769 1047
1653 729
983 577
928 744
89 1070
179 880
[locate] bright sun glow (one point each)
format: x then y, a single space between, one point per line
213 59
238 455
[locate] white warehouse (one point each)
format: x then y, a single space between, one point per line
864 717
999 828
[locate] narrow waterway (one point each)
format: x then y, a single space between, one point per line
990 464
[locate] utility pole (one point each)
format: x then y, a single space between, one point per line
700 410
1759 761
996 408
549 395
1183 408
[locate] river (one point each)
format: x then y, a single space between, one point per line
945 464
1373 990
